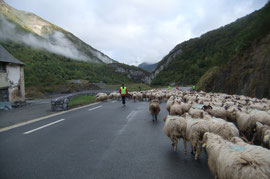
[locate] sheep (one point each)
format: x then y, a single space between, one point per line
101 97
257 106
186 106
176 108
260 116
219 112
112 95
140 96
134 96
169 103
194 133
236 161
159 96
118 96
175 128
154 108
196 113
225 129
262 134
148 96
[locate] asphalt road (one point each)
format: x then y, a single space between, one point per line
104 140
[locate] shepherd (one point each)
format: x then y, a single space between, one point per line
123 92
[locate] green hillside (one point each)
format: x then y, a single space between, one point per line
44 69
213 49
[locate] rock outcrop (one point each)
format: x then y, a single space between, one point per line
132 72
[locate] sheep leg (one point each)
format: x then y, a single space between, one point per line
185 146
173 141
175 144
156 116
192 151
153 117
197 151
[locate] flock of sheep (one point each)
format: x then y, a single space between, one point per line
230 127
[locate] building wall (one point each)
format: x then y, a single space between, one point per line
4 82
16 79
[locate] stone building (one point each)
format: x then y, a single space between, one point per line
11 79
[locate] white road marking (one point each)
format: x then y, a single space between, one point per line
129 118
94 108
44 117
113 101
28 132
130 114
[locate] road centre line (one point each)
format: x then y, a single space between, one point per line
131 115
42 118
113 101
41 127
95 108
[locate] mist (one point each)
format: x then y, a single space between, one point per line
55 43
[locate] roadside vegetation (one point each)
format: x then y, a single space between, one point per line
81 100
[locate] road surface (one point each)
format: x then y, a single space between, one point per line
104 140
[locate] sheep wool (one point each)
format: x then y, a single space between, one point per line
227 160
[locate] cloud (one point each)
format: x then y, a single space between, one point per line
133 31
55 43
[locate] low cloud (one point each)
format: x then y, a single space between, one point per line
56 43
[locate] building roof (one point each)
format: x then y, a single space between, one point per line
5 56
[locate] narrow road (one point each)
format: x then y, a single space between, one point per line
104 140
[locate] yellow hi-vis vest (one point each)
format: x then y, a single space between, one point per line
123 90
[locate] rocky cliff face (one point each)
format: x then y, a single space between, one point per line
134 73
166 61
247 73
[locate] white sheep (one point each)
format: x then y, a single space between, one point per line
176 108
101 97
194 133
196 113
169 103
227 160
218 112
175 128
262 134
223 128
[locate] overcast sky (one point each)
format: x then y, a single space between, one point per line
135 31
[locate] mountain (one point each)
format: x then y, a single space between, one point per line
53 56
233 52
248 73
147 66
34 31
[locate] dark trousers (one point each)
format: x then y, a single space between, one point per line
123 99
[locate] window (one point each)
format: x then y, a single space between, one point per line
4 94
2 67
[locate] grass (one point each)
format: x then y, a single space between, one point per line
81 100
130 86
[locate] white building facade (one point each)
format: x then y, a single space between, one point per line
12 87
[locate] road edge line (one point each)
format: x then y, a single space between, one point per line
42 127
42 118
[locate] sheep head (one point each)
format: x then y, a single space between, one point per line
206 107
